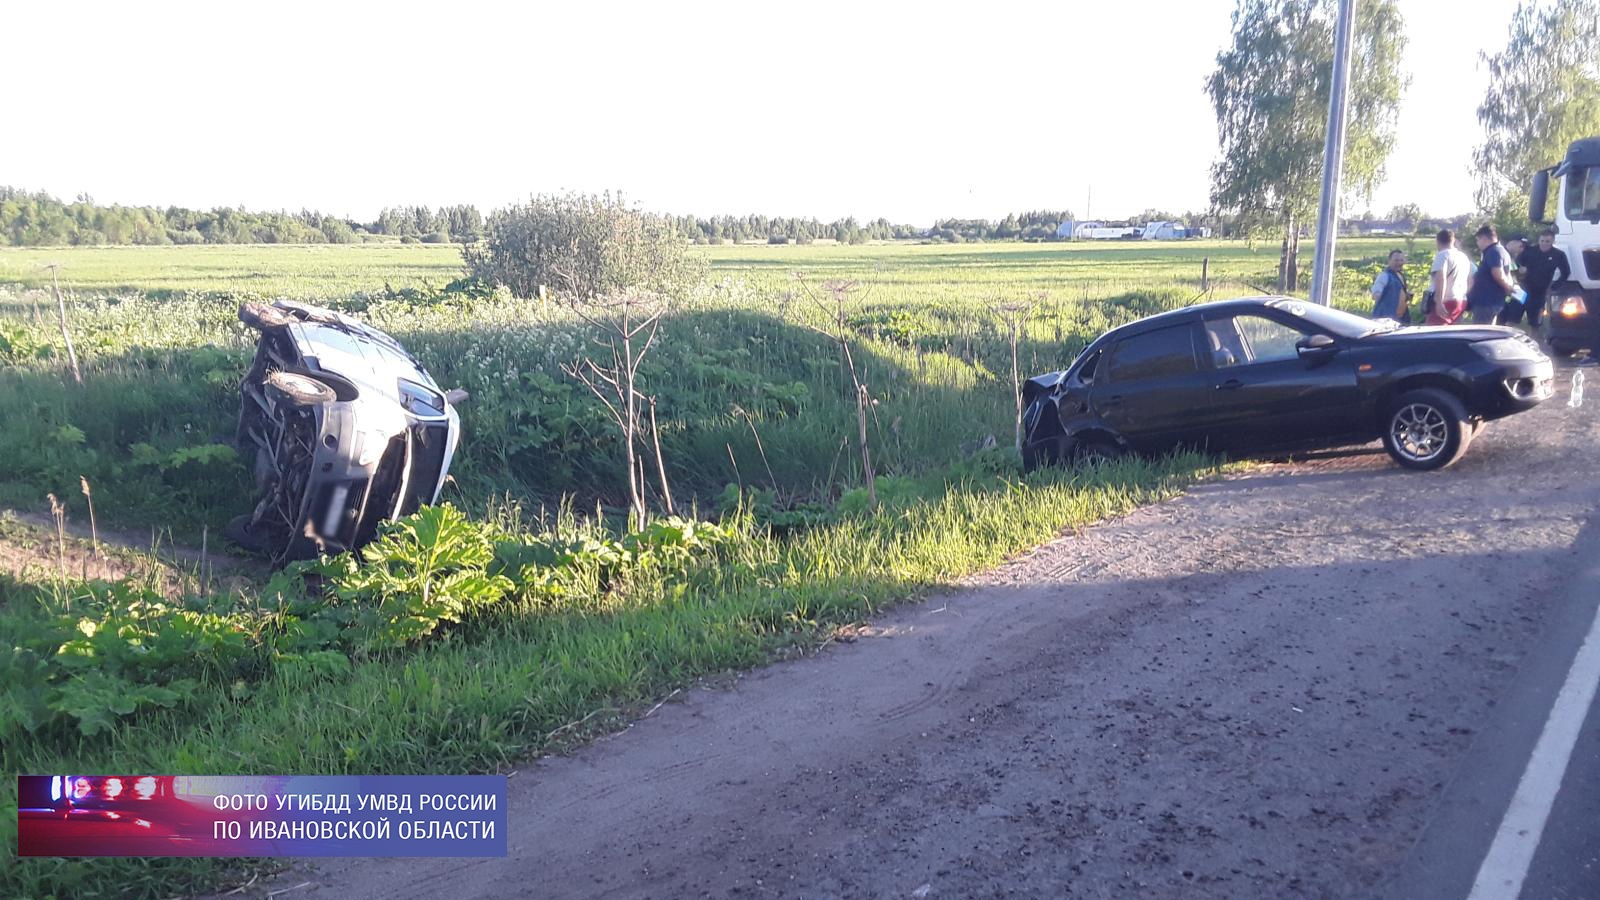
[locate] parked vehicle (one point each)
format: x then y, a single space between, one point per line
345 428
1274 373
1574 305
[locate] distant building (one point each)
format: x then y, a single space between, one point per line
1163 231
1172 231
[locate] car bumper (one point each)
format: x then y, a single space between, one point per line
1501 389
391 471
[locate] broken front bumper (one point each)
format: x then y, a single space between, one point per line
364 472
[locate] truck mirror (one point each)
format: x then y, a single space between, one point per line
1536 196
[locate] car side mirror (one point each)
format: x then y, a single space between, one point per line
1537 193
1315 348
455 396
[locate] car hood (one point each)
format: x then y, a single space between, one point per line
1040 384
369 359
1468 333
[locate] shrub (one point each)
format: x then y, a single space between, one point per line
584 245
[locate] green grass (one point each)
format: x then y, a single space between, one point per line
338 270
304 271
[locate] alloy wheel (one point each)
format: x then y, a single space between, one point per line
1419 431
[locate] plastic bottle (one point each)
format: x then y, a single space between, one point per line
1575 400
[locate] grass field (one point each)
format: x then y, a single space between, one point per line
756 428
342 270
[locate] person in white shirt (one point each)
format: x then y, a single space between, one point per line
1452 270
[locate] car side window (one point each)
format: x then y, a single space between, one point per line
1268 340
1162 353
1087 370
1227 347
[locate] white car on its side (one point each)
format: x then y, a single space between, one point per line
346 430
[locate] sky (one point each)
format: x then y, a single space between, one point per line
911 111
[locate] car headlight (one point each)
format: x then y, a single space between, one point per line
420 401
1508 349
1572 306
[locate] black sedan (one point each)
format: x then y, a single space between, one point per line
1263 374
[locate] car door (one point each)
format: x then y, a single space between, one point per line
1149 387
1264 392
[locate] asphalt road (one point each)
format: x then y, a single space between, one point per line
1316 679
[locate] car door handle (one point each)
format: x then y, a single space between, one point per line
1232 384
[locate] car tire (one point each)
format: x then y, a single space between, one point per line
240 530
262 316
1094 451
296 389
1562 349
1426 429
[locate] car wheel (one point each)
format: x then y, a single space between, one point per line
240 530
298 390
262 316
1040 454
1426 429
1096 451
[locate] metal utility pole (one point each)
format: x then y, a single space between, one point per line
1333 157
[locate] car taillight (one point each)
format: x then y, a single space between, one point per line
1573 306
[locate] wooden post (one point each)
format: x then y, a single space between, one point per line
61 308
1205 275
862 400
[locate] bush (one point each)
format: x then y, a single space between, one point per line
584 245
437 237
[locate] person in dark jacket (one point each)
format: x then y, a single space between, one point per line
1542 266
1492 283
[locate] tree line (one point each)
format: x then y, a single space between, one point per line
35 218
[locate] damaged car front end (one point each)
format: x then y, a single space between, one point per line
346 430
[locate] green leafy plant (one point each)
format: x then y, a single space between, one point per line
421 571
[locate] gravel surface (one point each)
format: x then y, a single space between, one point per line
1257 690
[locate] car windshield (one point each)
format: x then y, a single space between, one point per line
1583 193
1333 320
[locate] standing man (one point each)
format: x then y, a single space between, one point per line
1390 298
1492 284
1540 266
1451 273
1512 311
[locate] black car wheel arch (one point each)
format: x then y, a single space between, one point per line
1426 429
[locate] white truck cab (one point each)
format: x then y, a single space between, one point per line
1574 304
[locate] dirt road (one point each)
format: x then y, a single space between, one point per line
1262 689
